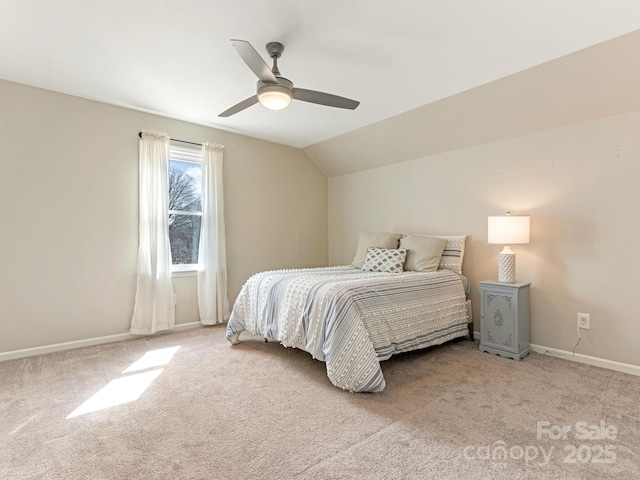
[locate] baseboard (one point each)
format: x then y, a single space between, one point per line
57 347
595 361
580 358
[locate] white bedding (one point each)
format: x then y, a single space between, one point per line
351 319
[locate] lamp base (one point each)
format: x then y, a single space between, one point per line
507 266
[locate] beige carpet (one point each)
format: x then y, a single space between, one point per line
259 410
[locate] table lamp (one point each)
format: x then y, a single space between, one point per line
507 230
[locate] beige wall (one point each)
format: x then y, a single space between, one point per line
69 218
580 186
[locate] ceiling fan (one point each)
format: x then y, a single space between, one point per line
274 91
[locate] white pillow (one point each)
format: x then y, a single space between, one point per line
387 260
373 239
423 253
453 254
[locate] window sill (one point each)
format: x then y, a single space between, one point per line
184 271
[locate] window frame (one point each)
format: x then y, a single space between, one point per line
184 154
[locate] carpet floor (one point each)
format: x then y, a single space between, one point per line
188 405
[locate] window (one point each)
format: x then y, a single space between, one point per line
185 206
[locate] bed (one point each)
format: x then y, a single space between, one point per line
401 293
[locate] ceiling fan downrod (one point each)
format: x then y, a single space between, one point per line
275 49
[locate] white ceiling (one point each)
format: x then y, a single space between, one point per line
174 57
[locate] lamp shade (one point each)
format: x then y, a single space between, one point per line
508 229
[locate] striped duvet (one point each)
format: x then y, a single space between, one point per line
351 319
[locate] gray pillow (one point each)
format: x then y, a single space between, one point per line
423 253
373 239
387 260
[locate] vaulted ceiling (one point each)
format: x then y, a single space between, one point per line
174 58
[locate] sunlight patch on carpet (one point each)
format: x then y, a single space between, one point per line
154 358
128 388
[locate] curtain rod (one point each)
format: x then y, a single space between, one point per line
176 140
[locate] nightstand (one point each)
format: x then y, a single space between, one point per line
504 319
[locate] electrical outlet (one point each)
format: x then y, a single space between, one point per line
584 321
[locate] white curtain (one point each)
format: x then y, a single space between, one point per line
212 256
154 308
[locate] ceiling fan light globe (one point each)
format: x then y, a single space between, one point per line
274 97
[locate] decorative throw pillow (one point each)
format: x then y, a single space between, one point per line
388 260
453 253
373 239
423 253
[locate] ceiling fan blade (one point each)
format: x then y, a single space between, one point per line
240 106
322 98
254 61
